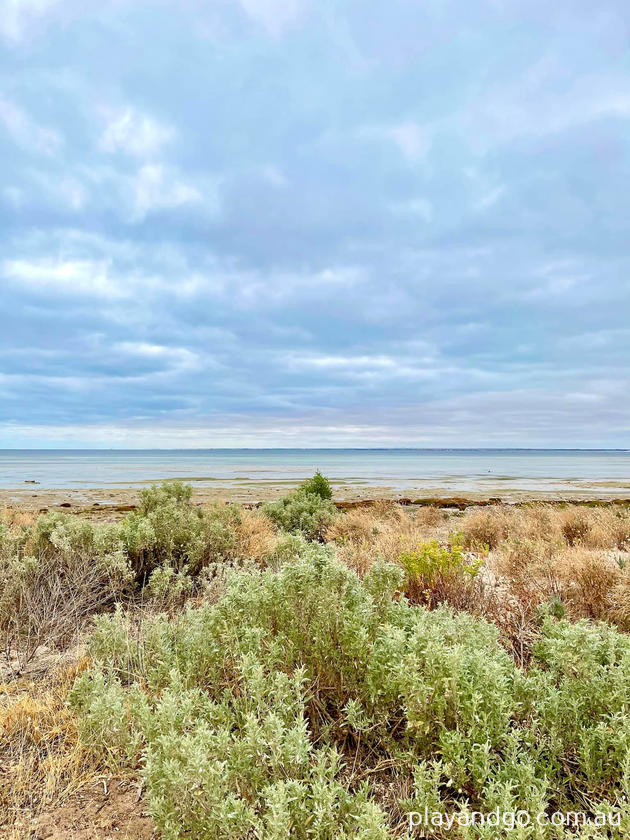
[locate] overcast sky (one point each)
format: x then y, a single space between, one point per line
307 222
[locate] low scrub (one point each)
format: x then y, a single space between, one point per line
383 531
56 571
436 573
309 703
168 530
54 575
302 512
559 525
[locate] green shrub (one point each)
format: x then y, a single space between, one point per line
167 588
159 495
168 530
303 513
318 485
299 703
436 573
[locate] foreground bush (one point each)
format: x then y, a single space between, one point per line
57 570
307 703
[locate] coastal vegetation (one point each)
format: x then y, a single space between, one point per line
298 671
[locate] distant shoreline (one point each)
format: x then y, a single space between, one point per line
91 478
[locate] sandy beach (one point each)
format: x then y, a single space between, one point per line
105 503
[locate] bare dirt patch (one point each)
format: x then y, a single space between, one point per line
108 809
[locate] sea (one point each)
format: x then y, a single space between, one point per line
445 470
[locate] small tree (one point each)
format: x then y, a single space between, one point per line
318 485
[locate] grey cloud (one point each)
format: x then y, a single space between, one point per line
304 224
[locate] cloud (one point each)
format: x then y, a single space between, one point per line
67 276
155 188
276 16
135 134
265 223
17 15
413 141
274 176
25 132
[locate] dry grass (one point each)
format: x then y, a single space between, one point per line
620 600
41 759
17 517
256 537
383 531
566 558
487 527
571 525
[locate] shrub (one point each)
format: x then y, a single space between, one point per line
159 495
76 569
167 529
302 512
318 485
295 705
167 589
435 573
486 528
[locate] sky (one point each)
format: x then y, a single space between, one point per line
299 223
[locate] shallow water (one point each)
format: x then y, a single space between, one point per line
450 470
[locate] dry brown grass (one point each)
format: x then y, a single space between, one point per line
587 580
256 537
526 568
17 517
383 531
41 759
608 528
487 527
583 580
569 556
572 525
620 600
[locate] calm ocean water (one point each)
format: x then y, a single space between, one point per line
455 470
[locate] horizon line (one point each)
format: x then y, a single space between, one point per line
321 449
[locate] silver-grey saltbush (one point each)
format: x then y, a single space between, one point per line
300 703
